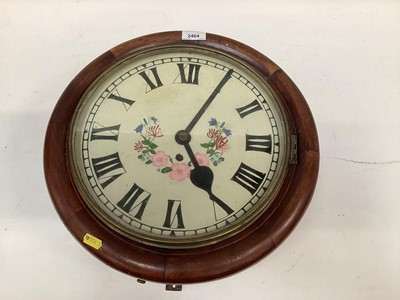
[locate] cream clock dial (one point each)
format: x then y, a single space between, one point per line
178 146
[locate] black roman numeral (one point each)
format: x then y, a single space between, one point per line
248 178
249 108
258 143
107 168
135 201
105 132
174 218
152 84
189 73
125 101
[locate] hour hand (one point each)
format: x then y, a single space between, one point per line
200 176
203 177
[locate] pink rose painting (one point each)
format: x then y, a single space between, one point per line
218 141
151 132
180 171
202 159
160 159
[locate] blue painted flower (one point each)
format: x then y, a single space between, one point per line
213 122
139 128
215 157
227 132
146 157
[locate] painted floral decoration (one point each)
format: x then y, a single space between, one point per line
150 130
218 141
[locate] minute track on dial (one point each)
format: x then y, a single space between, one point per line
220 139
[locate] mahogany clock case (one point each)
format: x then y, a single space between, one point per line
196 264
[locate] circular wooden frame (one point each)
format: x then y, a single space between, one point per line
196 264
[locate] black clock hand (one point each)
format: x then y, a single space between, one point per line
191 155
210 99
202 177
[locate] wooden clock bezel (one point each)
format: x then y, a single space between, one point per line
194 264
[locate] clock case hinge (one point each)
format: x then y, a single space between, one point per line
293 155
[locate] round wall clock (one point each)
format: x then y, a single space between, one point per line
181 157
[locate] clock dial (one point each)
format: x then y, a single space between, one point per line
178 147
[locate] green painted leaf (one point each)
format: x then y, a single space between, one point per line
146 142
166 170
152 146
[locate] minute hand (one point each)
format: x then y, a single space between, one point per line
210 99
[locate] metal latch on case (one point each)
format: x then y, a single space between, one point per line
293 155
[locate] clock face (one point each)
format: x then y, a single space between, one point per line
178 147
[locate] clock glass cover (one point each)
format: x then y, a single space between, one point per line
178 147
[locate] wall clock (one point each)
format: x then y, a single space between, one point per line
181 157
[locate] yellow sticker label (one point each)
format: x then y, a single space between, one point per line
92 241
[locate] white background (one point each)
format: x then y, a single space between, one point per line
345 58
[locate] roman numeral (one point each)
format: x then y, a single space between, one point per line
189 73
174 218
125 101
248 178
135 201
107 168
105 132
249 108
152 84
260 143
